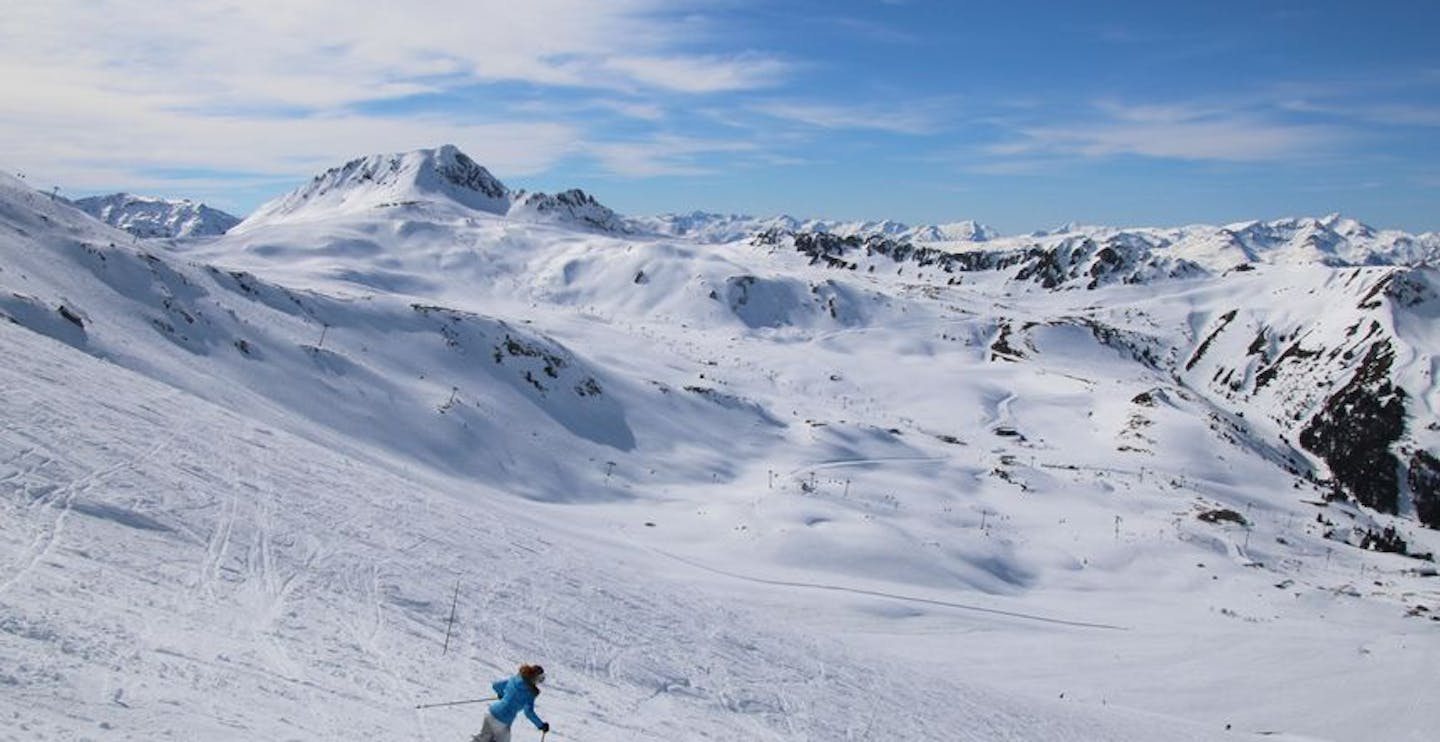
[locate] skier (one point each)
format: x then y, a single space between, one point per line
516 694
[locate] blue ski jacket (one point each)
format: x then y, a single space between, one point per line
516 695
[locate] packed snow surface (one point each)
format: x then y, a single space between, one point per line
774 486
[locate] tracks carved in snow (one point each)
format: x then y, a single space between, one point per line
53 506
894 596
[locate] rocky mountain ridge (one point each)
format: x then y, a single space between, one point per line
150 217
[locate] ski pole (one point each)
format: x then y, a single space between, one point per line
455 703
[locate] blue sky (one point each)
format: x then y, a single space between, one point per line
1020 114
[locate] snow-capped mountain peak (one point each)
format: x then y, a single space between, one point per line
147 216
442 175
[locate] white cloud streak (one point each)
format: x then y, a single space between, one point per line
896 120
702 74
1174 132
1389 114
667 155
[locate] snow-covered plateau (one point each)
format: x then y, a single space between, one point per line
726 478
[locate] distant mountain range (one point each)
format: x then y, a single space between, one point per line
1331 240
146 216
701 226
446 176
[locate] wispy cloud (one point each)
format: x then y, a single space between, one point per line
324 52
1012 167
870 30
665 155
1173 132
700 74
898 120
1391 114
634 109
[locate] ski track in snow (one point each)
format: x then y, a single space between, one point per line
862 461
895 596
53 506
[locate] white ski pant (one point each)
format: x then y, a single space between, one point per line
492 731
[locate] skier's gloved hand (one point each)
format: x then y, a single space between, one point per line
545 727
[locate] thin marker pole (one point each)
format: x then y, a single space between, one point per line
451 625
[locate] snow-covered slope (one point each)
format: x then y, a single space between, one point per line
145 216
799 487
174 569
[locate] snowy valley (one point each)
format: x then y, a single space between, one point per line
726 477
